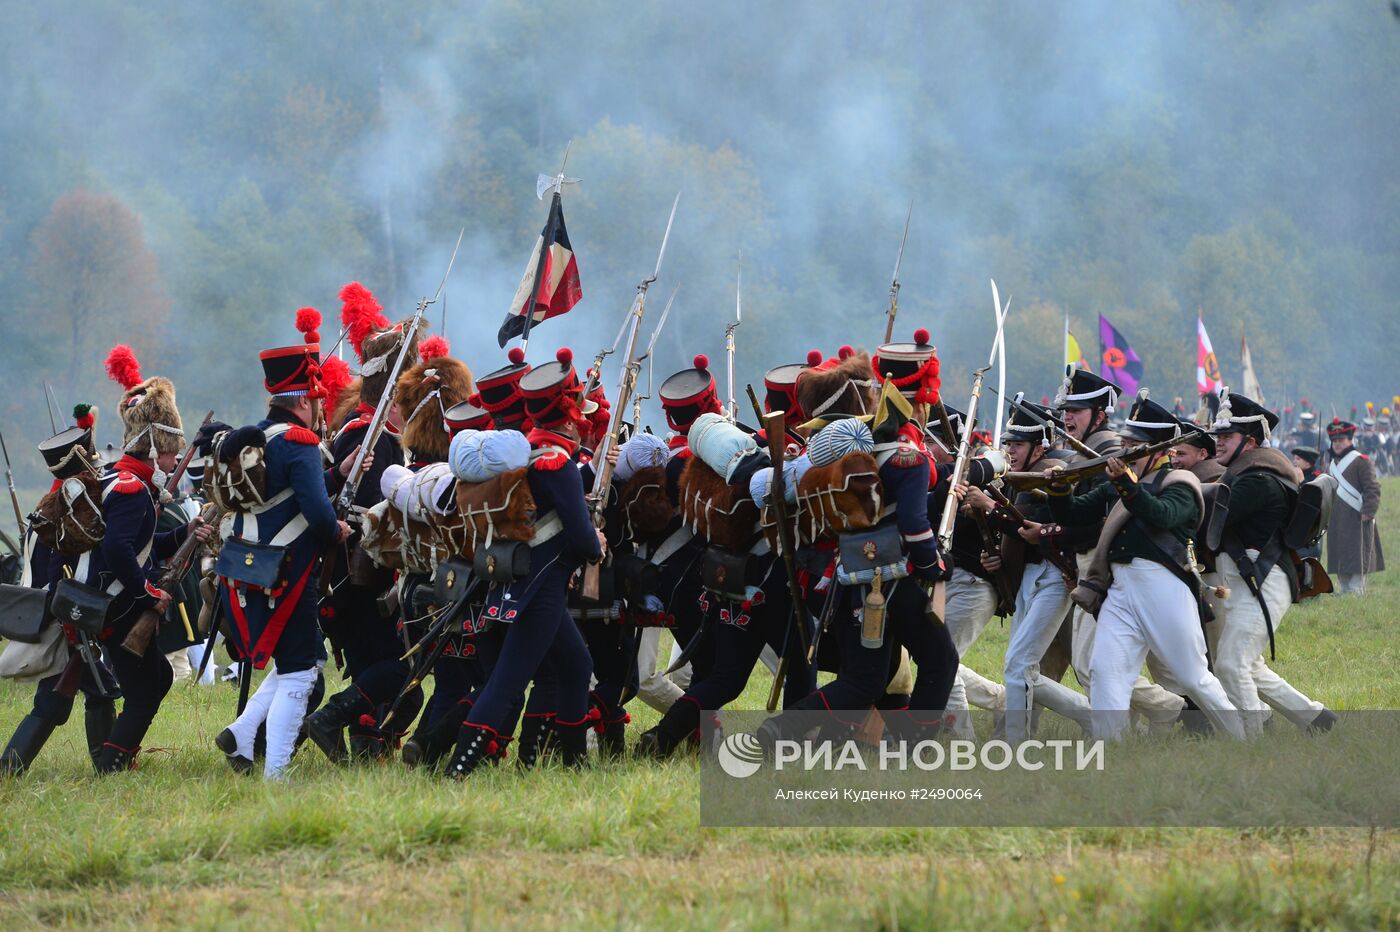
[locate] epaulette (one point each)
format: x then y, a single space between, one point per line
302 435
905 456
128 483
549 459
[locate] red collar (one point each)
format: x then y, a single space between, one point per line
139 468
365 410
539 437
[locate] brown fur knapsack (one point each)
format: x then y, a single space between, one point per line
721 513
69 519
840 497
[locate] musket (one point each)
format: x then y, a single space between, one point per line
626 383
139 637
1068 568
172 484
381 412
960 462
1072 475
437 635
894 279
733 411
773 425
639 397
1079 446
10 481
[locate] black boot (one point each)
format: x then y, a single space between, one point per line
573 741
29 739
535 739
1194 721
1323 723
226 742
98 719
612 741
112 759
368 745
326 726
475 744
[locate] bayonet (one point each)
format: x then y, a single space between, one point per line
55 410
729 338
894 279
10 480
381 412
639 397
627 383
666 238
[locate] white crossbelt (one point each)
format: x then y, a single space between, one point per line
1345 490
547 528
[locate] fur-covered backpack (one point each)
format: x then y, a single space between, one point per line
236 481
840 492
69 519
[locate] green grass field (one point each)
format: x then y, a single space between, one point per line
184 842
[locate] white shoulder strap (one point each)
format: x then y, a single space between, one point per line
1347 492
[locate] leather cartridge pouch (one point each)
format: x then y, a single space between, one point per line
724 572
864 552
639 578
23 612
80 605
502 562
452 580
251 563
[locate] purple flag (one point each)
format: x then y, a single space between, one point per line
1118 361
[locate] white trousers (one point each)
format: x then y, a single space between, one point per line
1149 609
280 701
971 604
1041 606
1161 707
654 687
1239 651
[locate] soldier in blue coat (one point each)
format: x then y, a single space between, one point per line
68 454
279 623
846 388
536 607
123 564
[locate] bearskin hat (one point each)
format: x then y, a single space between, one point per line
844 385
424 393
150 420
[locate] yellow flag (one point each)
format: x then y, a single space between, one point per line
1074 356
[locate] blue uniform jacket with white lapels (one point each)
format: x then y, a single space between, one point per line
565 538
294 466
302 520
124 563
904 480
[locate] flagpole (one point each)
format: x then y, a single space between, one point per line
1068 363
551 226
1102 350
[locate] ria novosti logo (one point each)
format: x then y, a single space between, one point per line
740 755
